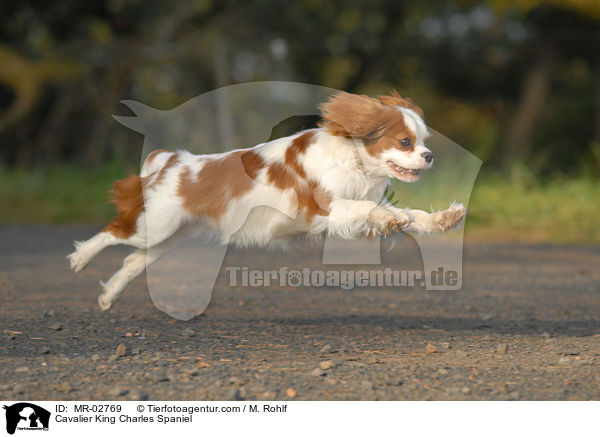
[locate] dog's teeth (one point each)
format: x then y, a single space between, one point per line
402 170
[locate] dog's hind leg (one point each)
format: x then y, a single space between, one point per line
135 264
127 228
85 251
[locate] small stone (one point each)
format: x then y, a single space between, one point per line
465 390
95 358
318 372
117 391
290 392
325 365
188 332
430 348
446 345
366 385
443 371
65 387
163 377
129 334
56 327
330 381
22 369
502 349
9 332
502 387
191 372
546 335
569 352
20 388
325 349
233 394
514 395
564 360
235 380
136 395
258 388
45 350
121 350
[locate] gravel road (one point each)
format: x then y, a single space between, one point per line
525 326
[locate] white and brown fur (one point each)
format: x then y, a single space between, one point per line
327 182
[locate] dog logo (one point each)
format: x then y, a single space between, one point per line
226 118
26 416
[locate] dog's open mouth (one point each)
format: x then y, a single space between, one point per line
404 173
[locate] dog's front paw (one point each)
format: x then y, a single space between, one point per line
387 222
451 218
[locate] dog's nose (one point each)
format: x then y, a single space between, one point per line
428 156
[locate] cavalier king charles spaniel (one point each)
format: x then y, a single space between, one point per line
324 182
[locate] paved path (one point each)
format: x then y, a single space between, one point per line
525 326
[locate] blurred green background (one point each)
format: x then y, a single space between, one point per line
517 83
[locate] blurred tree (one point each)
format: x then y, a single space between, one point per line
513 80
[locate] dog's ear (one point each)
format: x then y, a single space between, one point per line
396 99
358 116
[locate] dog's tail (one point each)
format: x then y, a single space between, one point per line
128 197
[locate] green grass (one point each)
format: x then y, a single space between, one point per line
64 194
516 207
557 210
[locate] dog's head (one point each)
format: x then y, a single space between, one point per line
390 128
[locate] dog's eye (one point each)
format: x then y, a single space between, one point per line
405 142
